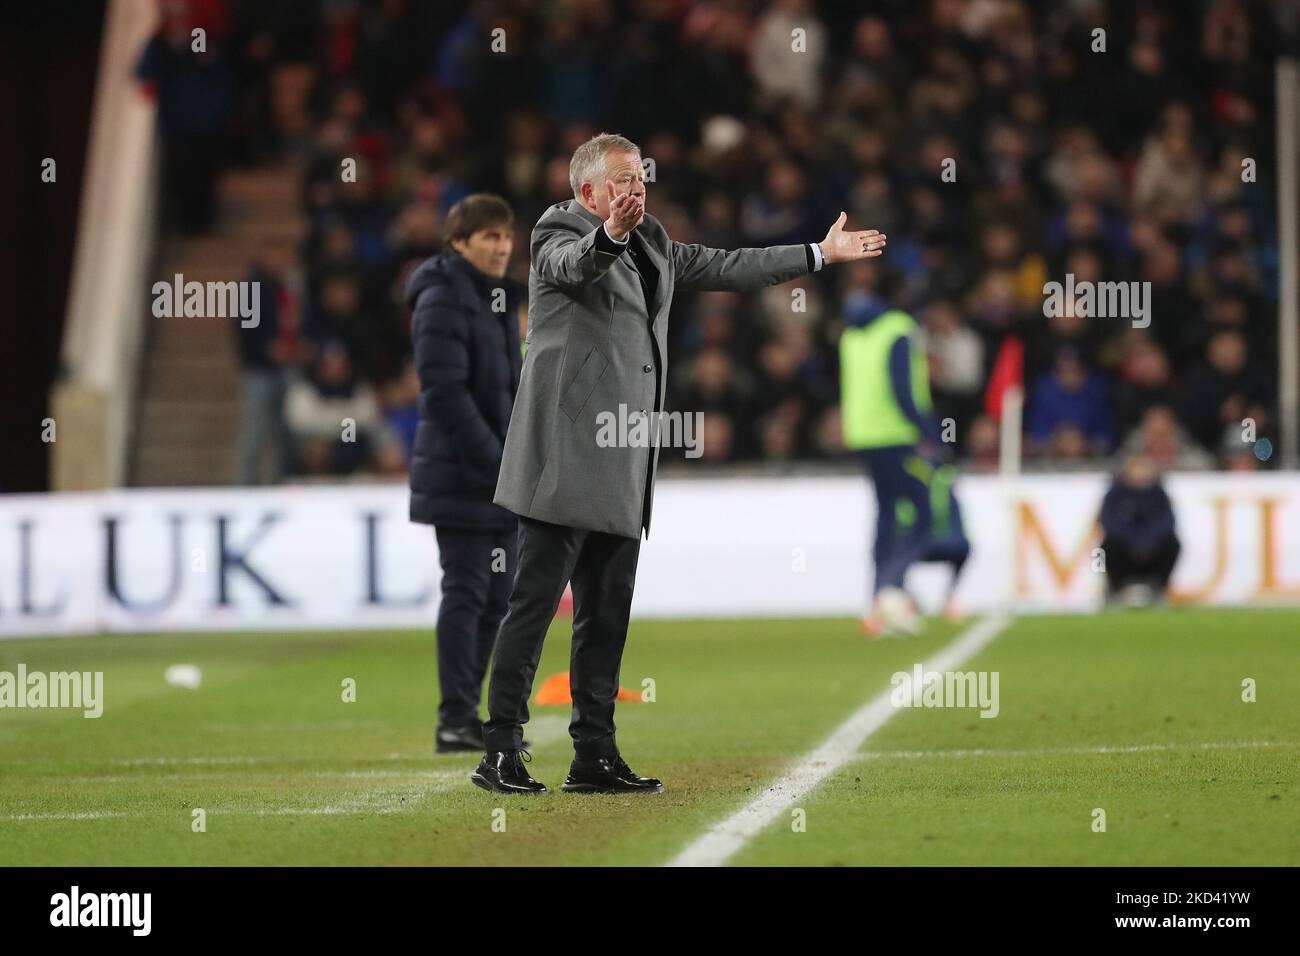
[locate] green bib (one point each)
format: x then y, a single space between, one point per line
871 417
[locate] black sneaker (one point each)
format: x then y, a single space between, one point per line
607 775
502 771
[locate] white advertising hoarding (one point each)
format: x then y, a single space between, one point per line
347 557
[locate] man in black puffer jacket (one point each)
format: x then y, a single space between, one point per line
465 332
1139 543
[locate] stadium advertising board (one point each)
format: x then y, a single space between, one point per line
347 557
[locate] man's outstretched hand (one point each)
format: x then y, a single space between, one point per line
841 246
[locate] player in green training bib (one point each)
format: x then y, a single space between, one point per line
889 424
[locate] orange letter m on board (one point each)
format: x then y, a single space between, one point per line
1029 530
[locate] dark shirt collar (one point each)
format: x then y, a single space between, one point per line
483 283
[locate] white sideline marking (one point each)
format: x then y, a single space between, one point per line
368 803
278 760
403 774
412 775
541 731
65 816
196 761
725 839
1064 751
363 803
290 726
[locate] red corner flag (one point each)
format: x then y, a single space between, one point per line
1008 370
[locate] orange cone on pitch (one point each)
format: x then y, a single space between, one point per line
555 690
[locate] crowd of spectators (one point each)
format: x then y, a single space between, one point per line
1001 144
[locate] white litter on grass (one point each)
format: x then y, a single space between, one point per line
184 675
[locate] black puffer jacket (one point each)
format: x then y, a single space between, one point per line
467 357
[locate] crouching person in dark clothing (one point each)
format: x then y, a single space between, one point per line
465 333
1138 535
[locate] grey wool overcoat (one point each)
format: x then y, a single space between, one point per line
593 346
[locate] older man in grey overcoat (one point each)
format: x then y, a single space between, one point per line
600 285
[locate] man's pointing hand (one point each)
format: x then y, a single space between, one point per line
841 246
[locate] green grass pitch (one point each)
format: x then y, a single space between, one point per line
1137 714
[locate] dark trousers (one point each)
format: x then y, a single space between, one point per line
1151 565
953 550
899 544
477 567
192 163
602 568
263 424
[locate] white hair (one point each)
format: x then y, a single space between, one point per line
589 159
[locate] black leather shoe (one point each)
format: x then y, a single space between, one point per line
466 739
450 740
502 771
607 775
